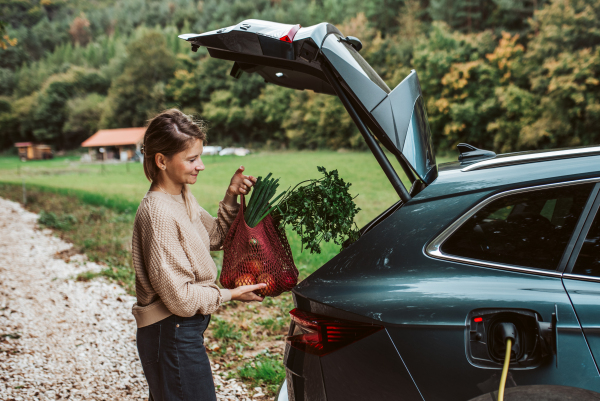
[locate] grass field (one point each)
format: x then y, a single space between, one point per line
126 183
121 186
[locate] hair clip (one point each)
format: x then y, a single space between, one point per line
142 149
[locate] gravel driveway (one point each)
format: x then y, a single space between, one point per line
60 338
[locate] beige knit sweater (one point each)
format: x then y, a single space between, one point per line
174 272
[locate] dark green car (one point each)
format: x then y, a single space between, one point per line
418 307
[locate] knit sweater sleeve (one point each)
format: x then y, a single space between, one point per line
218 227
169 269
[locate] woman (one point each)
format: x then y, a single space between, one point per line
175 274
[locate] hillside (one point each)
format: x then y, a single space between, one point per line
504 75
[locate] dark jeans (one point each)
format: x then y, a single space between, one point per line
174 359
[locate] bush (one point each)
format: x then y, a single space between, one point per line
63 222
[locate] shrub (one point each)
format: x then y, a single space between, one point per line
63 222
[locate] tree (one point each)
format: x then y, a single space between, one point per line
7 81
458 85
461 15
563 65
5 41
9 123
383 14
139 91
84 115
50 114
479 15
80 30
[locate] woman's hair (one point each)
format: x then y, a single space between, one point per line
169 133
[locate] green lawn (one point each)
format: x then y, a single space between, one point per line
124 185
128 183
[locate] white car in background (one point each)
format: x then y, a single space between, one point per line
234 151
211 150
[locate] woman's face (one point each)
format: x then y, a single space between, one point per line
183 167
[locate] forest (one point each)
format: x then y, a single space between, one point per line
505 75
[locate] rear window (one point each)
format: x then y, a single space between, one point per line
529 229
373 76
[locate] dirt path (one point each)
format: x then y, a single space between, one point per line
60 338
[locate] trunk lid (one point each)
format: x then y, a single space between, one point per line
292 56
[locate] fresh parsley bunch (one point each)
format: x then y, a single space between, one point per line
320 210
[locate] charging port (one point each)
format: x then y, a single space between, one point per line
487 330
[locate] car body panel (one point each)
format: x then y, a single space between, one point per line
585 296
305 379
377 369
423 302
435 356
429 349
382 278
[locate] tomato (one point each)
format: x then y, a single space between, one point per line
227 280
254 267
271 288
289 281
244 279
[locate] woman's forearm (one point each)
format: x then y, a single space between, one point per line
230 200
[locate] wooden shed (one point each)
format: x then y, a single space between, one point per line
33 151
115 144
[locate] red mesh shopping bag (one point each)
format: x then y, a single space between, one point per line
258 254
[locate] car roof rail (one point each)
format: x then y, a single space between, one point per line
509 159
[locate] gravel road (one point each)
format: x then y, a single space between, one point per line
61 339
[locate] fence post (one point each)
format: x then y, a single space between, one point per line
127 166
24 192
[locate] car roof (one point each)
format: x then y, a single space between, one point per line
532 157
532 169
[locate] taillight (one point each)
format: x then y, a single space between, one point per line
289 37
321 335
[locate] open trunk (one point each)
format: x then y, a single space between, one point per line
322 59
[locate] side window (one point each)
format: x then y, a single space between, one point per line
588 261
529 229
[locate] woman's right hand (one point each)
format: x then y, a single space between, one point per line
245 293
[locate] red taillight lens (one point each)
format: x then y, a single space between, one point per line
289 37
321 335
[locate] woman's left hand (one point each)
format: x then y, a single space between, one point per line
240 184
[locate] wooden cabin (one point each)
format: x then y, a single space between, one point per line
33 151
114 144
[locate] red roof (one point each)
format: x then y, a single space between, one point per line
115 137
23 144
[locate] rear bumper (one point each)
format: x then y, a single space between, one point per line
368 369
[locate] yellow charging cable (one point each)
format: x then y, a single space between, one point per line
504 370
